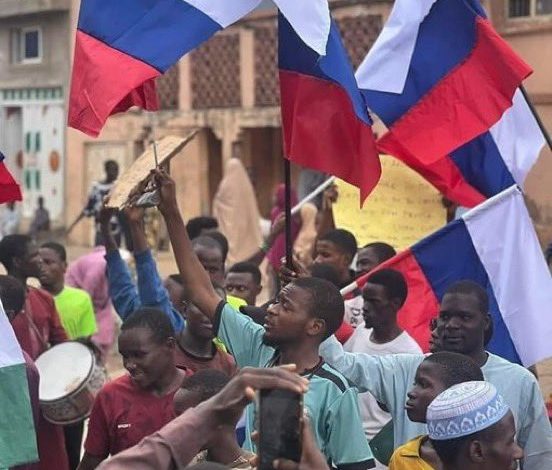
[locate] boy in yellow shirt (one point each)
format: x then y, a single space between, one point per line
436 373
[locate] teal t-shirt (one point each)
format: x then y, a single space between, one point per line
330 402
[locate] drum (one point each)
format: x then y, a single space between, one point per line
70 378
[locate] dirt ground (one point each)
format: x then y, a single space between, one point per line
165 262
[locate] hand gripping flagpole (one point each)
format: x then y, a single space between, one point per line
536 116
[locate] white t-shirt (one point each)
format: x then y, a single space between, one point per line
373 417
353 311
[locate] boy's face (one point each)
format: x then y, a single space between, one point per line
427 385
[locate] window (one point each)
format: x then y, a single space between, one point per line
544 7
26 45
519 8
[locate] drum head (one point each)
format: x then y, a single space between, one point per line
63 369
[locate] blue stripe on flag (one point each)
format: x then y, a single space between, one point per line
448 256
445 39
144 28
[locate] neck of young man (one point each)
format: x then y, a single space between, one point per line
225 450
54 288
19 276
480 356
200 347
385 333
428 454
304 355
170 381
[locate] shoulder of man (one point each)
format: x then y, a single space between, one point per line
333 379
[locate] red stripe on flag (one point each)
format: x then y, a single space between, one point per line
464 104
421 304
9 189
322 131
106 81
443 174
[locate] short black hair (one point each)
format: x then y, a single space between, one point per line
470 287
548 253
13 246
197 224
325 271
455 368
206 382
111 162
343 239
327 302
448 450
248 268
58 248
176 278
12 293
222 241
207 242
393 281
383 250
153 319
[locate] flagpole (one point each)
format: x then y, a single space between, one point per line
536 116
289 242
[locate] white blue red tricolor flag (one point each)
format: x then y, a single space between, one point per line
438 76
496 246
122 46
9 189
325 122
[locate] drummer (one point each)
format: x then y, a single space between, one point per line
141 402
77 317
36 328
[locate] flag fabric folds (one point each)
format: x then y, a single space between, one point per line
496 246
9 189
486 165
122 46
325 122
17 433
461 76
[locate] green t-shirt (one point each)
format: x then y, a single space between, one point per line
330 403
76 312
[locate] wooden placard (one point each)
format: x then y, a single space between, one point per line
139 171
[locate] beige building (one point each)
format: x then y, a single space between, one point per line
228 88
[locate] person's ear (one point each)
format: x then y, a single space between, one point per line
396 304
476 451
317 326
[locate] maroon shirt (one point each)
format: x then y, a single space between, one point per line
221 360
123 415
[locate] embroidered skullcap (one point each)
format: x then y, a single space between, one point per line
464 409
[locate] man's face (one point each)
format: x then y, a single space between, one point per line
288 319
243 286
378 308
499 449
198 323
211 260
145 359
367 259
427 385
461 324
53 268
329 253
111 172
176 294
30 265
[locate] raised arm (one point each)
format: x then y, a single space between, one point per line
194 277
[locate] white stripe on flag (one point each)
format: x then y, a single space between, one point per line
507 245
518 138
10 351
385 68
310 20
224 12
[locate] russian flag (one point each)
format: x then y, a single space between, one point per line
9 189
325 121
496 246
486 165
123 45
439 76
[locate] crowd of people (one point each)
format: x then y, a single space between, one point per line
198 344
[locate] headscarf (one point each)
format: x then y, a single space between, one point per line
304 242
278 249
235 207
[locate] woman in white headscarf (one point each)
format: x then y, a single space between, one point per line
235 207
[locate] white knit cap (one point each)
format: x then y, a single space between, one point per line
465 409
